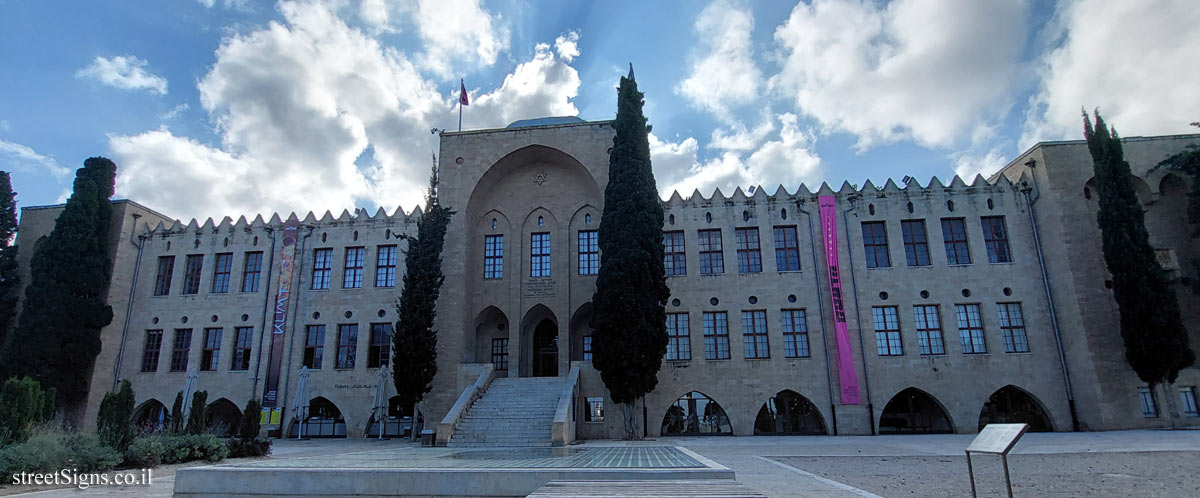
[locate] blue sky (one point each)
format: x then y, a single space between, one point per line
239 107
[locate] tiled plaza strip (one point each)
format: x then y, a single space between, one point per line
411 471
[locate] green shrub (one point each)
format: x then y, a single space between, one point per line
155 450
22 403
114 422
49 449
196 423
250 420
177 413
255 447
145 452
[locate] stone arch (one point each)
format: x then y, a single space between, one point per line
1172 184
324 420
151 416
581 333
695 413
788 412
539 358
913 411
1142 189
397 422
1011 404
224 417
531 157
491 324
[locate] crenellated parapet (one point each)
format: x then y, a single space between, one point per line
362 218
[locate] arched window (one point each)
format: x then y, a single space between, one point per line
695 414
913 411
1013 405
789 413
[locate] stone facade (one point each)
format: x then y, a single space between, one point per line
535 192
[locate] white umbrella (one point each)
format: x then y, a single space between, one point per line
379 404
301 407
189 388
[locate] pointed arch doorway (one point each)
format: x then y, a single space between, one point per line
545 349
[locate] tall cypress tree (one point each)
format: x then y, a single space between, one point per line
10 280
1156 342
414 342
58 333
629 317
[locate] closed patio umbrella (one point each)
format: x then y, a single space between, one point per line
301 407
379 404
189 388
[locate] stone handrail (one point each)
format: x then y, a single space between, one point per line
445 429
562 431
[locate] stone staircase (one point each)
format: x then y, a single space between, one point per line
512 412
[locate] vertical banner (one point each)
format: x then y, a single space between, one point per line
846 374
287 258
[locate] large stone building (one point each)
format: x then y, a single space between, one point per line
963 303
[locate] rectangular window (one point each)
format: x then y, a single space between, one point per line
995 237
380 352
210 356
595 410
241 348
587 348
314 346
1187 401
875 243
887 330
716 335
970 328
712 260
252 271
1012 327
347 350
500 353
954 235
795 334
162 282
539 255
679 337
754 334
787 249
749 253
180 349
674 253
322 266
151 350
493 257
222 267
589 252
193 266
385 266
929 329
352 273
916 244
1149 406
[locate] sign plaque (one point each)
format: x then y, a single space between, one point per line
995 439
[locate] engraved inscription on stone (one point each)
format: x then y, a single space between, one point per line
538 288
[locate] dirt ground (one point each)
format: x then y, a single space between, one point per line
1140 474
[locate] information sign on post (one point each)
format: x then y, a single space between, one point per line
996 439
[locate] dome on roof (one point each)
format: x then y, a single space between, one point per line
553 120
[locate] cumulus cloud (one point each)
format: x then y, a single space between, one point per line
312 114
967 165
458 30
125 72
723 72
1133 60
24 157
567 46
930 71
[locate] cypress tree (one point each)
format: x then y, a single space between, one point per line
114 421
10 281
414 342
177 414
250 420
1156 342
58 332
197 420
630 336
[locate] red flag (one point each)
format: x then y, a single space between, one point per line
462 93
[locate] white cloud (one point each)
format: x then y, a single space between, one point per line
723 72
241 5
737 138
967 165
175 111
313 114
125 72
1133 60
567 46
931 71
24 157
458 30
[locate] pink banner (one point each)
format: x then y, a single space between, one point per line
846 374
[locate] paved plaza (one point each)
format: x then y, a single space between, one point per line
1122 463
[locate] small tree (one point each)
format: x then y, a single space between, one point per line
10 281
250 420
414 344
197 422
21 407
114 421
1156 342
177 414
629 319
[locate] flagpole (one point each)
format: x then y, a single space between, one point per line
460 115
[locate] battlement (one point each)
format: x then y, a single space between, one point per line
360 217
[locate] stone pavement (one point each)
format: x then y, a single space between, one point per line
747 456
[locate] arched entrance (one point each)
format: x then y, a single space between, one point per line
789 413
224 417
151 417
1013 405
324 420
695 414
913 411
545 349
491 339
397 422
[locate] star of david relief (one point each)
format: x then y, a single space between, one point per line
539 178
